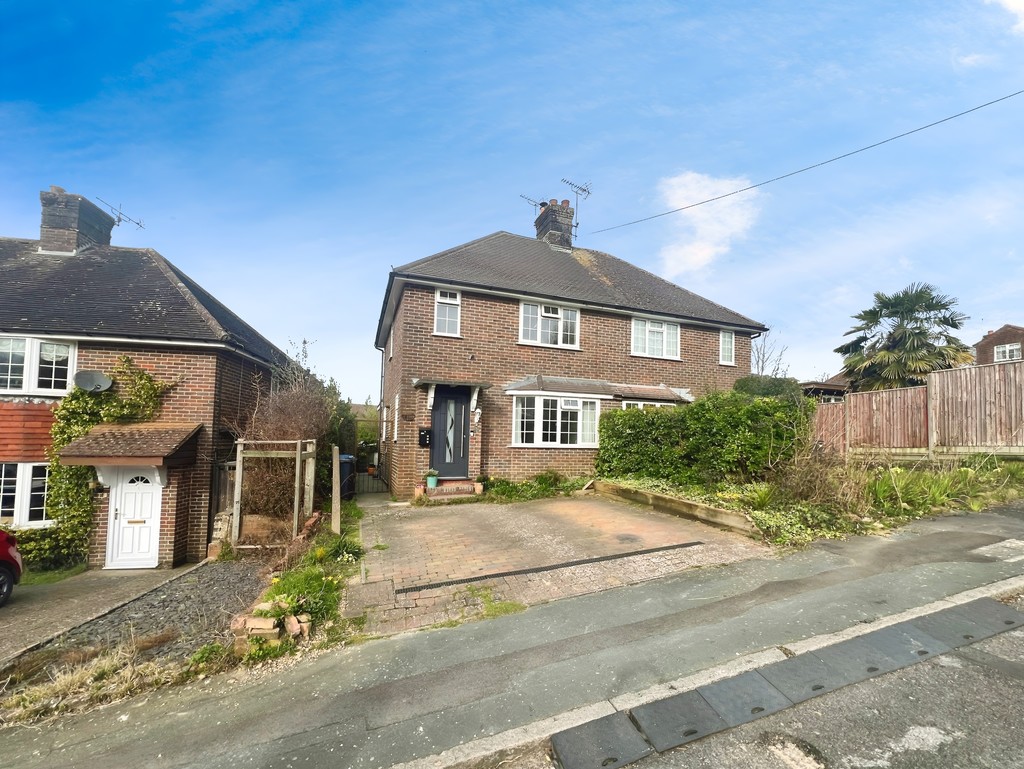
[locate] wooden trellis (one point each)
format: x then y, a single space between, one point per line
304 454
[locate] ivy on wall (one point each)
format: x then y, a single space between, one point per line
135 397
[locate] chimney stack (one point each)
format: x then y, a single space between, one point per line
70 223
554 223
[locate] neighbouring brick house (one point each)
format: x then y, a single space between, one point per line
71 306
502 354
999 346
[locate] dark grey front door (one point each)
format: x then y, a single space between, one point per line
449 450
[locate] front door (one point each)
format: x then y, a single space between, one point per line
134 519
449 449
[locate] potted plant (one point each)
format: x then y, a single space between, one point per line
431 478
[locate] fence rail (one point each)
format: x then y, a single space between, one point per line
959 411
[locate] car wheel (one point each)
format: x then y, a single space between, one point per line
6 583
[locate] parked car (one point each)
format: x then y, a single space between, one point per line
10 565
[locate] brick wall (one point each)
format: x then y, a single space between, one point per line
488 351
984 351
25 429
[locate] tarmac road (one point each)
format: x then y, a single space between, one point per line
468 689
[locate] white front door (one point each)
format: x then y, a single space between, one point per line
134 520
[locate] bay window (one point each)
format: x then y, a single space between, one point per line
554 421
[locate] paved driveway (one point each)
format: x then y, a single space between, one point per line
427 565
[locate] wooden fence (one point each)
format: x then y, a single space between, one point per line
978 409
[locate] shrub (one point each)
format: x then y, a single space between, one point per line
311 590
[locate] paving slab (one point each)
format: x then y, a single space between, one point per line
677 720
744 698
803 677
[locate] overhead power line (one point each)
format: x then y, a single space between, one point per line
812 167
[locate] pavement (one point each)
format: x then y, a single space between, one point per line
36 614
454 696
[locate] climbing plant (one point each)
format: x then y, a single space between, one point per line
135 397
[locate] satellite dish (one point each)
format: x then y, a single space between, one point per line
93 381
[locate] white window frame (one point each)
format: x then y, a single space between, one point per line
391 341
646 405
563 405
642 330
1005 352
447 298
563 317
33 359
23 495
727 344
384 425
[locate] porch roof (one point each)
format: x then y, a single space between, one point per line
152 444
577 386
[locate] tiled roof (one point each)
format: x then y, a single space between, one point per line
577 386
527 266
108 291
150 439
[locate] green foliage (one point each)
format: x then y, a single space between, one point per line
798 525
262 650
902 338
547 484
722 436
135 396
312 590
330 547
769 387
209 658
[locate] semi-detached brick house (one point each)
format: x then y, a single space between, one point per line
70 303
999 346
503 353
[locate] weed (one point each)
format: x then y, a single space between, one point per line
491 607
262 650
380 546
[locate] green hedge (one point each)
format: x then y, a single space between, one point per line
722 436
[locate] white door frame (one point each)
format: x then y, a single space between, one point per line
122 481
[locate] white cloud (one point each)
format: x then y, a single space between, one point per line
972 60
704 233
1016 7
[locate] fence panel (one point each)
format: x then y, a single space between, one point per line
830 427
888 419
980 407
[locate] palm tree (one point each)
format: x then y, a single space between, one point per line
902 338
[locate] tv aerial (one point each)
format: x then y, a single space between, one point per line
93 381
579 190
121 216
532 202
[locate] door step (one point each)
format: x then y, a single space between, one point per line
451 489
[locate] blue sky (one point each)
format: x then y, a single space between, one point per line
286 155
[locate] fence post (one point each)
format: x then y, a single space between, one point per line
335 490
929 414
236 506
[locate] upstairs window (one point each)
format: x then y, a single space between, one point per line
1005 352
446 312
35 366
23 494
655 339
727 348
549 325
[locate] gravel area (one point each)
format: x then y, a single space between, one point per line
190 611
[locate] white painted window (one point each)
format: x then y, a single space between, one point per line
549 325
645 405
727 348
554 421
447 305
384 425
36 366
1004 352
23 494
655 338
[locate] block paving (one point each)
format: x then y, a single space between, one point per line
410 548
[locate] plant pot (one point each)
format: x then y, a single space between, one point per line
431 481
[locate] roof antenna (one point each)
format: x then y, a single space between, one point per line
121 216
579 189
532 202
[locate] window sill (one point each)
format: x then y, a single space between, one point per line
553 446
527 343
36 393
447 336
653 357
31 525
730 365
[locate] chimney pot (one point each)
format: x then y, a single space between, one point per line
554 201
565 204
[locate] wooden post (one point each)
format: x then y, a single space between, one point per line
236 507
335 490
307 498
929 414
298 487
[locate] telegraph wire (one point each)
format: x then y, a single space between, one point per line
812 167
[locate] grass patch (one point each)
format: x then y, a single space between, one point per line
493 608
49 576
